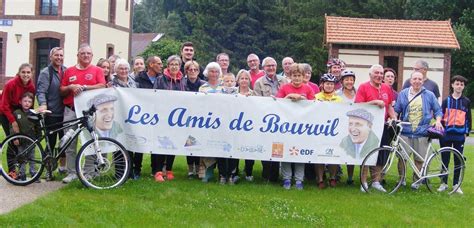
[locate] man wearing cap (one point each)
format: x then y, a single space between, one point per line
81 77
361 139
104 122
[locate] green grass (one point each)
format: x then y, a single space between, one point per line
184 202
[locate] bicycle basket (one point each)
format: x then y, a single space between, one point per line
435 133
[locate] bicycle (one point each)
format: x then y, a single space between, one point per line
101 162
433 173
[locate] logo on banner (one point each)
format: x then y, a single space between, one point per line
191 141
251 149
277 150
165 143
294 151
222 145
135 140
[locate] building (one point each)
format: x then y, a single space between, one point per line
398 44
30 28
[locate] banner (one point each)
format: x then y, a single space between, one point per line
235 126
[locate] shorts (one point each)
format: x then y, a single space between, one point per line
419 144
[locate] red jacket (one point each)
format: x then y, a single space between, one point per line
12 92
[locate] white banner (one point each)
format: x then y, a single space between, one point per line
234 126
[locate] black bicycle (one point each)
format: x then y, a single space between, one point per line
101 162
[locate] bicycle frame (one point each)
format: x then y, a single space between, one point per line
81 123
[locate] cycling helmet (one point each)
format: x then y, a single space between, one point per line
328 78
336 61
347 73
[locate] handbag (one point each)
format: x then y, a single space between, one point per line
435 133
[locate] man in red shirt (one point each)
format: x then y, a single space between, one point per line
377 93
254 68
81 77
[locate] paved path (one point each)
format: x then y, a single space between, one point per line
12 197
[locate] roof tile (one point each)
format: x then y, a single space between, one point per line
387 32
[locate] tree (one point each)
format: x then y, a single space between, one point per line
163 48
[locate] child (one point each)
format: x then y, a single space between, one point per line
29 128
228 166
328 93
295 90
457 124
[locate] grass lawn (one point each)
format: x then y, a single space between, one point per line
184 202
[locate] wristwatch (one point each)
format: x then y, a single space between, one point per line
84 87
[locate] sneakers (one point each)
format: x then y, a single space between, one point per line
299 185
235 179
415 186
287 184
404 183
159 177
69 178
222 180
13 175
349 182
443 187
169 175
458 191
332 183
49 176
190 175
378 186
62 170
321 185
232 180
362 187
249 178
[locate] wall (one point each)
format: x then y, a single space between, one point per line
122 17
359 61
102 35
71 7
18 53
27 7
435 62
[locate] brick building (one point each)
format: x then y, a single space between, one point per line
362 42
30 28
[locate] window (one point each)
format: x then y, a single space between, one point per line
49 7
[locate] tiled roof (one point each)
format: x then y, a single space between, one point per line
387 32
141 40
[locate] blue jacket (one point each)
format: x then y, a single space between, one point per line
430 105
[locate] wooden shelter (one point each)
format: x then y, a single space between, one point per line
362 42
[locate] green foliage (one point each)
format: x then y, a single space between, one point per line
280 28
164 48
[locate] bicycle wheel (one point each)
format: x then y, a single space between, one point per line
103 167
385 165
21 159
444 171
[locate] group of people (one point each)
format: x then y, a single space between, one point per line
417 103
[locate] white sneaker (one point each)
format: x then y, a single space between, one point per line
443 187
458 191
378 186
362 187
249 178
415 186
70 178
404 183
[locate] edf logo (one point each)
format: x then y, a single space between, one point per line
295 151
306 152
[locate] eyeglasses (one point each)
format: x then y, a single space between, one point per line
271 65
173 64
193 70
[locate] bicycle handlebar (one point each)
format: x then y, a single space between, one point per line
90 111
